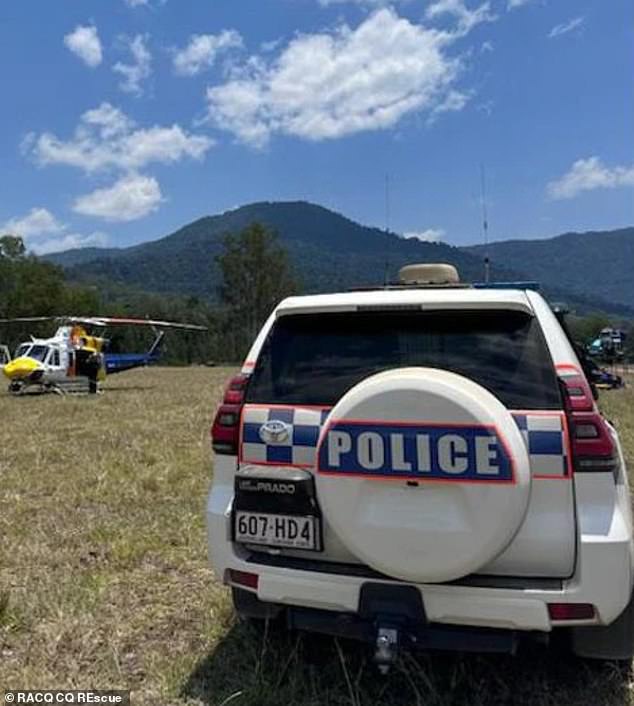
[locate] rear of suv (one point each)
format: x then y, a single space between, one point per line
422 465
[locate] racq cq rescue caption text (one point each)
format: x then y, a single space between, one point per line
60 696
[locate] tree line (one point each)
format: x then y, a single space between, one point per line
256 275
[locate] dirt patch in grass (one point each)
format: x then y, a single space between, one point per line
104 580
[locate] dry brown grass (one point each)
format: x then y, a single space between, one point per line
104 579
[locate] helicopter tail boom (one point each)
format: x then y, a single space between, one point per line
120 362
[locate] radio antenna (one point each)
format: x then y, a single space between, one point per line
386 274
485 225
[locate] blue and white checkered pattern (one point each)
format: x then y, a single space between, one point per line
297 450
545 439
544 435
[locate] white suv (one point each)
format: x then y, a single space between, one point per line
422 465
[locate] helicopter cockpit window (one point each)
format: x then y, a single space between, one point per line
22 349
53 357
38 353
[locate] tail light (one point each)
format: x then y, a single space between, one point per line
243 578
593 448
571 611
225 431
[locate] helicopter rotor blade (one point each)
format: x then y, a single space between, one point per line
87 320
29 319
60 319
104 321
120 321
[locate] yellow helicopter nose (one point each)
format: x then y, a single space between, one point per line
20 368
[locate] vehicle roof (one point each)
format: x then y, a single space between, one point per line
433 298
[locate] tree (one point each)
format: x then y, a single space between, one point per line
256 275
12 251
32 287
586 329
12 247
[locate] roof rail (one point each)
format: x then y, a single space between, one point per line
520 284
399 286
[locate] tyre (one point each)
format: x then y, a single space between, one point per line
376 449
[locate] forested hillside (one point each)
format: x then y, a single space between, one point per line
327 252
590 264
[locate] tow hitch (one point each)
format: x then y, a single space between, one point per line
386 651
395 611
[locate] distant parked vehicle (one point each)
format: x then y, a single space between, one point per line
609 345
603 379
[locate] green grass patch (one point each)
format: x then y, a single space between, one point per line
104 579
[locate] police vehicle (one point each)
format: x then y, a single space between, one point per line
425 465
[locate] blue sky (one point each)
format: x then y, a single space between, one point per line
124 119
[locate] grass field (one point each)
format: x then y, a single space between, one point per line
104 580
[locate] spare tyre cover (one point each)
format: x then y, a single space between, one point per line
423 474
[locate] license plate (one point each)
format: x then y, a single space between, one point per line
277 530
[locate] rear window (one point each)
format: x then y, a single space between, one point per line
316 358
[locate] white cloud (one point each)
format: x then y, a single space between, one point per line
140 68
514 4
431 235
587 175
131 197
332 84
202 50
145 3
38 221
566 27
110 120
270 45
70 241
105 138
84 42
467 19
453 101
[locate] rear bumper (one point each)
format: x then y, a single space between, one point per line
410 634
603 578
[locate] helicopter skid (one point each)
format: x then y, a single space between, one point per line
64 386
17 388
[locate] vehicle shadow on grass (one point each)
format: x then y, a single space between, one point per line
249 667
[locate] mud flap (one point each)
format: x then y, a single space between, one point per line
247 605
614 641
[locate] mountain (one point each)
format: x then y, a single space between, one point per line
599 263
78 256
328 251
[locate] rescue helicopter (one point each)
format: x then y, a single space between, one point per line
75 361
